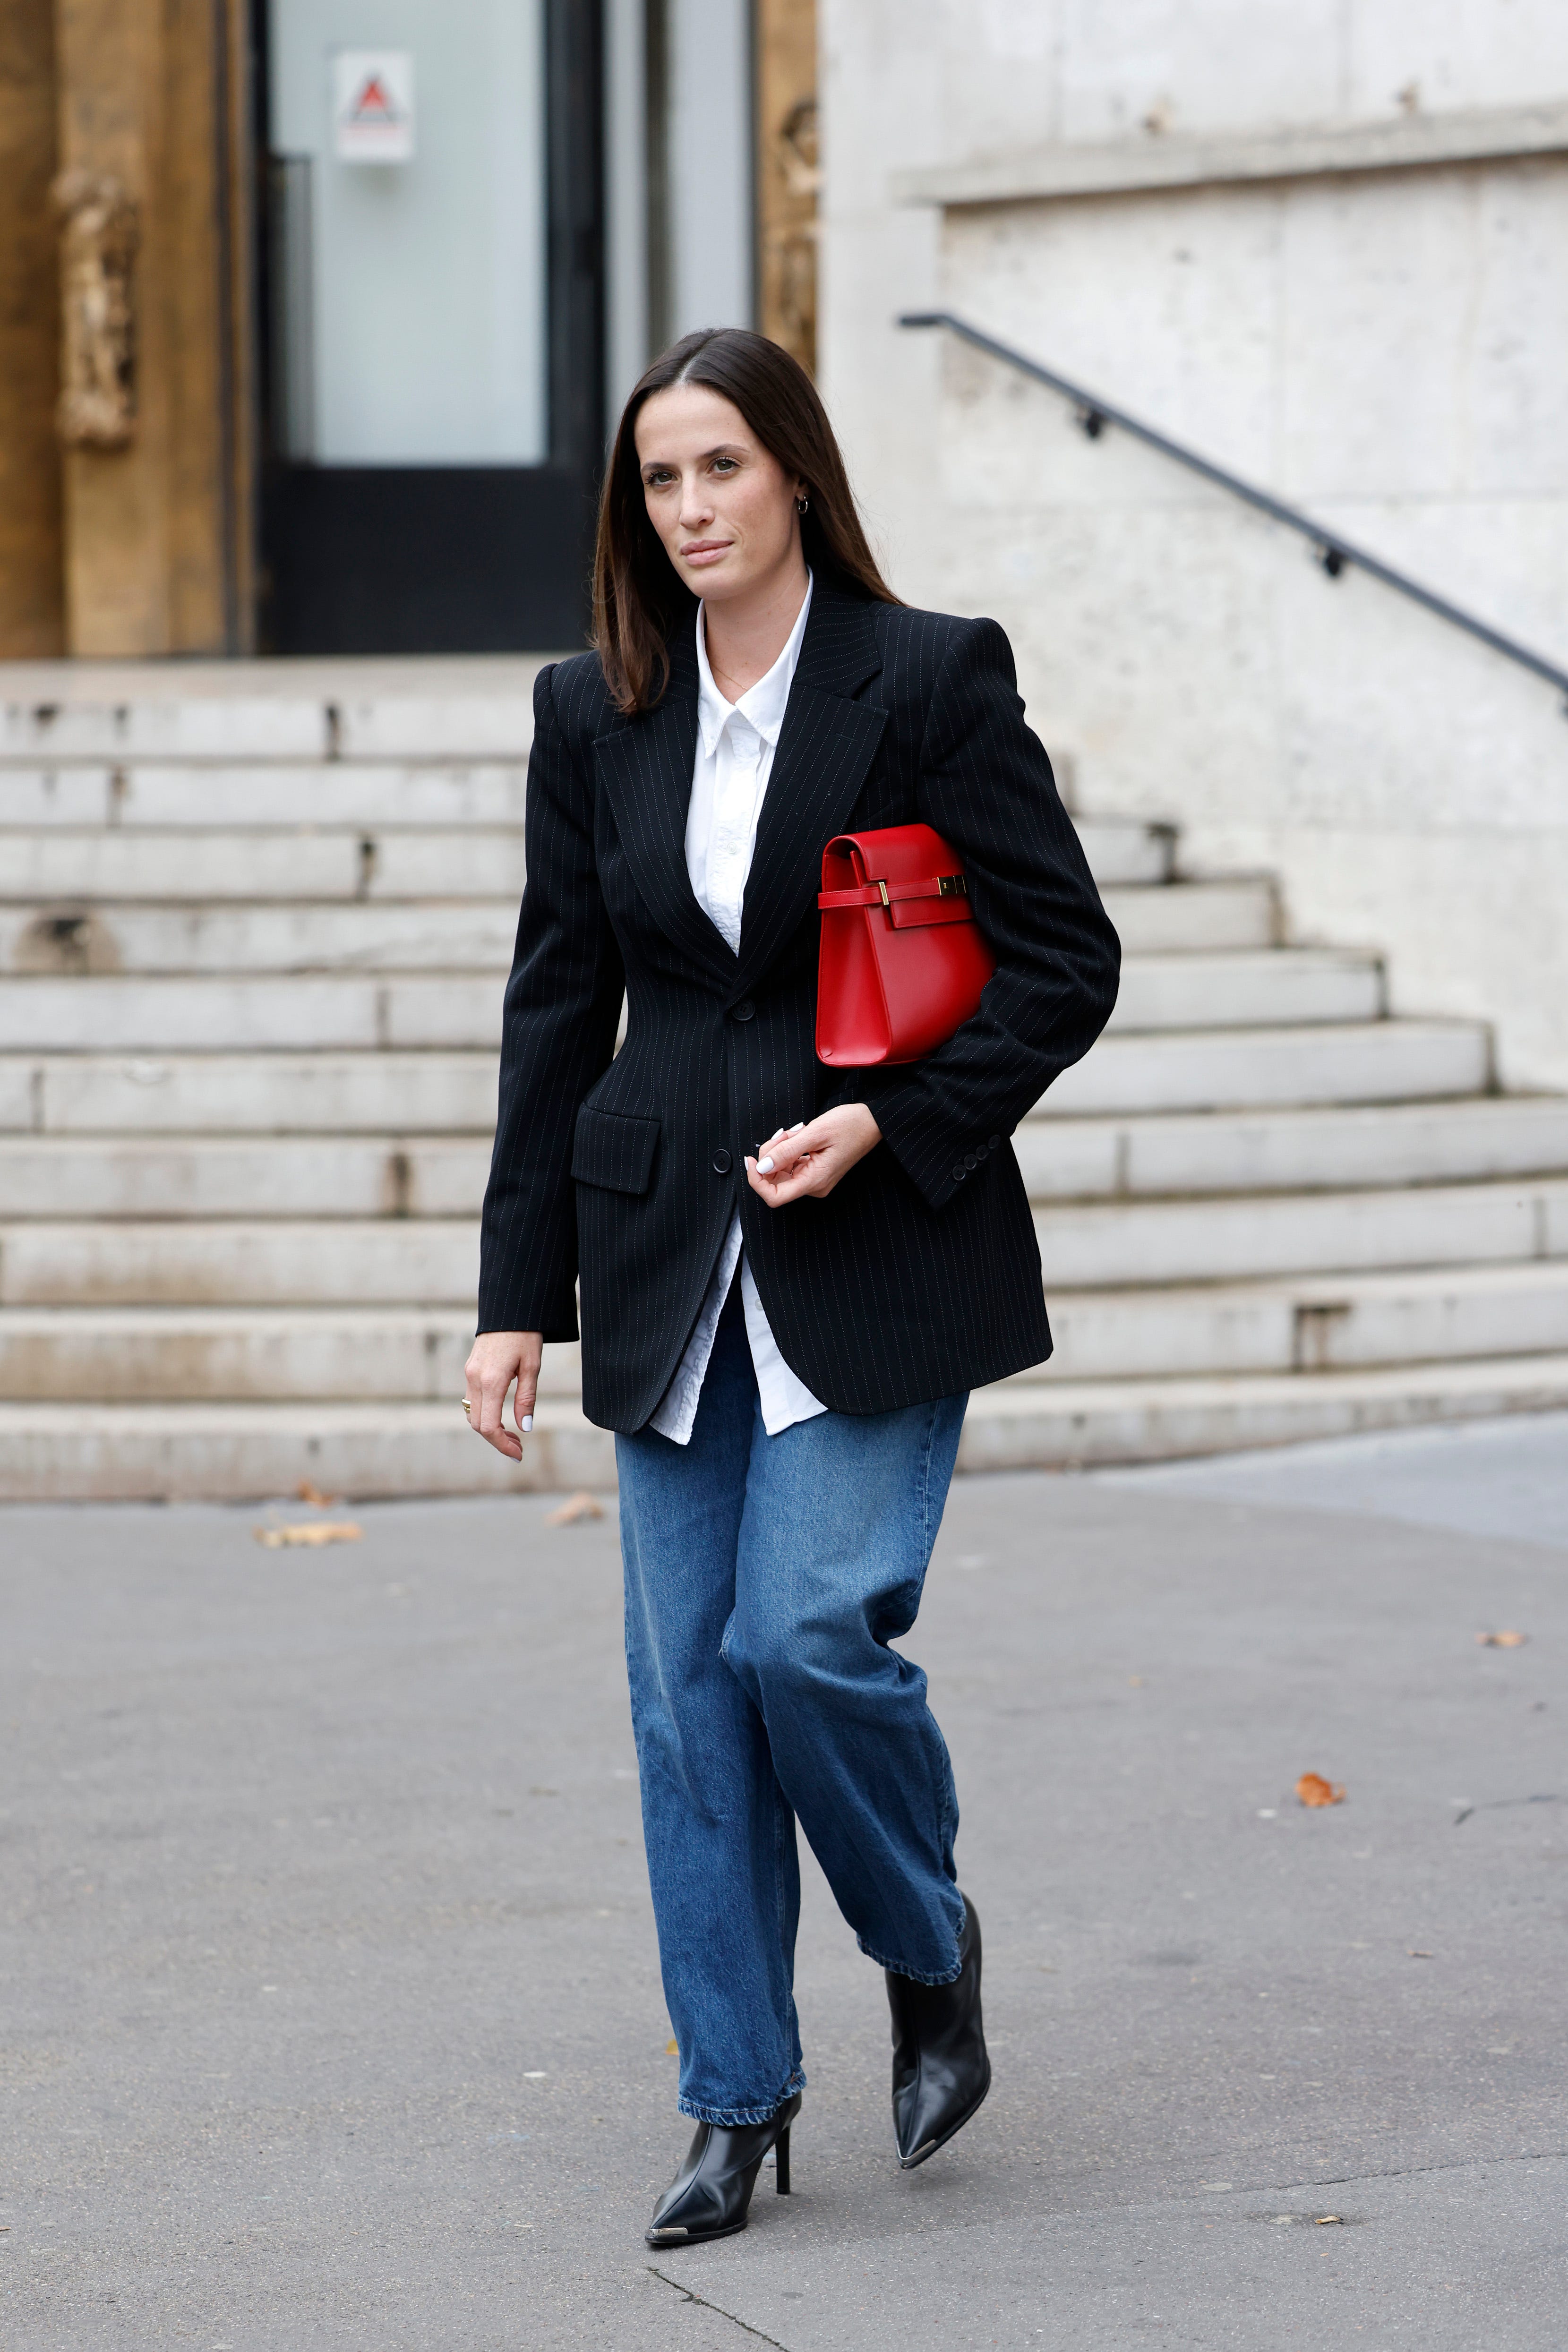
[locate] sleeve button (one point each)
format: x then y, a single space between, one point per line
994 1143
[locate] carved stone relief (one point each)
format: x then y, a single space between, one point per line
99 231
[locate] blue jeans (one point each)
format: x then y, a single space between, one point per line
765 1579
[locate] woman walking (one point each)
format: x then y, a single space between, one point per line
791 1275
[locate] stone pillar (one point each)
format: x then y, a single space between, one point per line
787 175
31 613
155 543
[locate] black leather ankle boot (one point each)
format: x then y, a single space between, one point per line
710 2194
940 2071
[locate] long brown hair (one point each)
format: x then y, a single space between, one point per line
638 596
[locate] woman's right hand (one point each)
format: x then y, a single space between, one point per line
495 1360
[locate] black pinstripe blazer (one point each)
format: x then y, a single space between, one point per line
920 1274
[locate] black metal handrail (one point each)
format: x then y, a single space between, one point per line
1334 551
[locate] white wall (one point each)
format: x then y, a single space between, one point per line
1388 350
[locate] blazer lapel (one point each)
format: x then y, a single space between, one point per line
826 745
646 767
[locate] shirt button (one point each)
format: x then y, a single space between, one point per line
745 1010
722 1163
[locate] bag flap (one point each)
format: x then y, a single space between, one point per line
614 1149
895 853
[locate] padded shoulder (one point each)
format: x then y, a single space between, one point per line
580 697
916 646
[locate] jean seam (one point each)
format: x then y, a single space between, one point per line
731 2118
918 1975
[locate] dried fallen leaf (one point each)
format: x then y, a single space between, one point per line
576 1507
1503 1641
1413 1954
309 1493
1313 1790
1325 2219
672 2049
309 1531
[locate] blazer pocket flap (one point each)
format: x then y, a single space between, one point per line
614 1151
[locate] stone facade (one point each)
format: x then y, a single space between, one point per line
1383 346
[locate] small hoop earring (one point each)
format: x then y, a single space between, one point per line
801 505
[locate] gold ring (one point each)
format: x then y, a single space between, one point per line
466 1414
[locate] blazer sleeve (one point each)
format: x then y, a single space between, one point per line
985 784
563 1007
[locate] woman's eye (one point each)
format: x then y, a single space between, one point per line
725 465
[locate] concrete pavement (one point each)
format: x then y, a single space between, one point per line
333 2014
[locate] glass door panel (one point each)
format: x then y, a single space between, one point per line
410 276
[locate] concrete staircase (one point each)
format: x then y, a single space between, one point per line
253 948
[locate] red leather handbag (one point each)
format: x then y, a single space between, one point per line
902 960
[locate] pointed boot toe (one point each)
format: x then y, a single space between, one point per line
711 2193
941 2070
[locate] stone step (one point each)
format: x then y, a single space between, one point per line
1294 1150
236 864
453 935
308 1093
1274 987
122 1354
205 797
276 1261
1312 1323
341 712
1080 1160
477 934
240 726
1236 1236
1322 1323
325 1012
1076 1425
136 1013
332 858
391 1259
437 1092
241 1451
1228 1069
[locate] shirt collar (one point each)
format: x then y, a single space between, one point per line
763 705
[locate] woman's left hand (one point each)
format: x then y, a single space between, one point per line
812 1158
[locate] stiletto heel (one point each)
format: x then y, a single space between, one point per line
710 2194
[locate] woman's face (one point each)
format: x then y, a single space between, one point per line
722 505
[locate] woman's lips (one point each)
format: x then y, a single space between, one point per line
705 551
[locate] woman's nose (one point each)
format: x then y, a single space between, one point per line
695 508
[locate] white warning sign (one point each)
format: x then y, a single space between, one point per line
373 106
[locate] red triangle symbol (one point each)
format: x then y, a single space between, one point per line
374 103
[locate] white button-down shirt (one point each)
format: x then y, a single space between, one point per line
735 747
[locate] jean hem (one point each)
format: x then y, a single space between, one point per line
902 1967
731 2118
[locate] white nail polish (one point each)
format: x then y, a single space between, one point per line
527 1422
796 1128
765 1167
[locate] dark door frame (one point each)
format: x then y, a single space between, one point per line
456 558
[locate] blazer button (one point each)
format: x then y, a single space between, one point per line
994 1143
745 1010
970 1161
959 1172
722 1163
